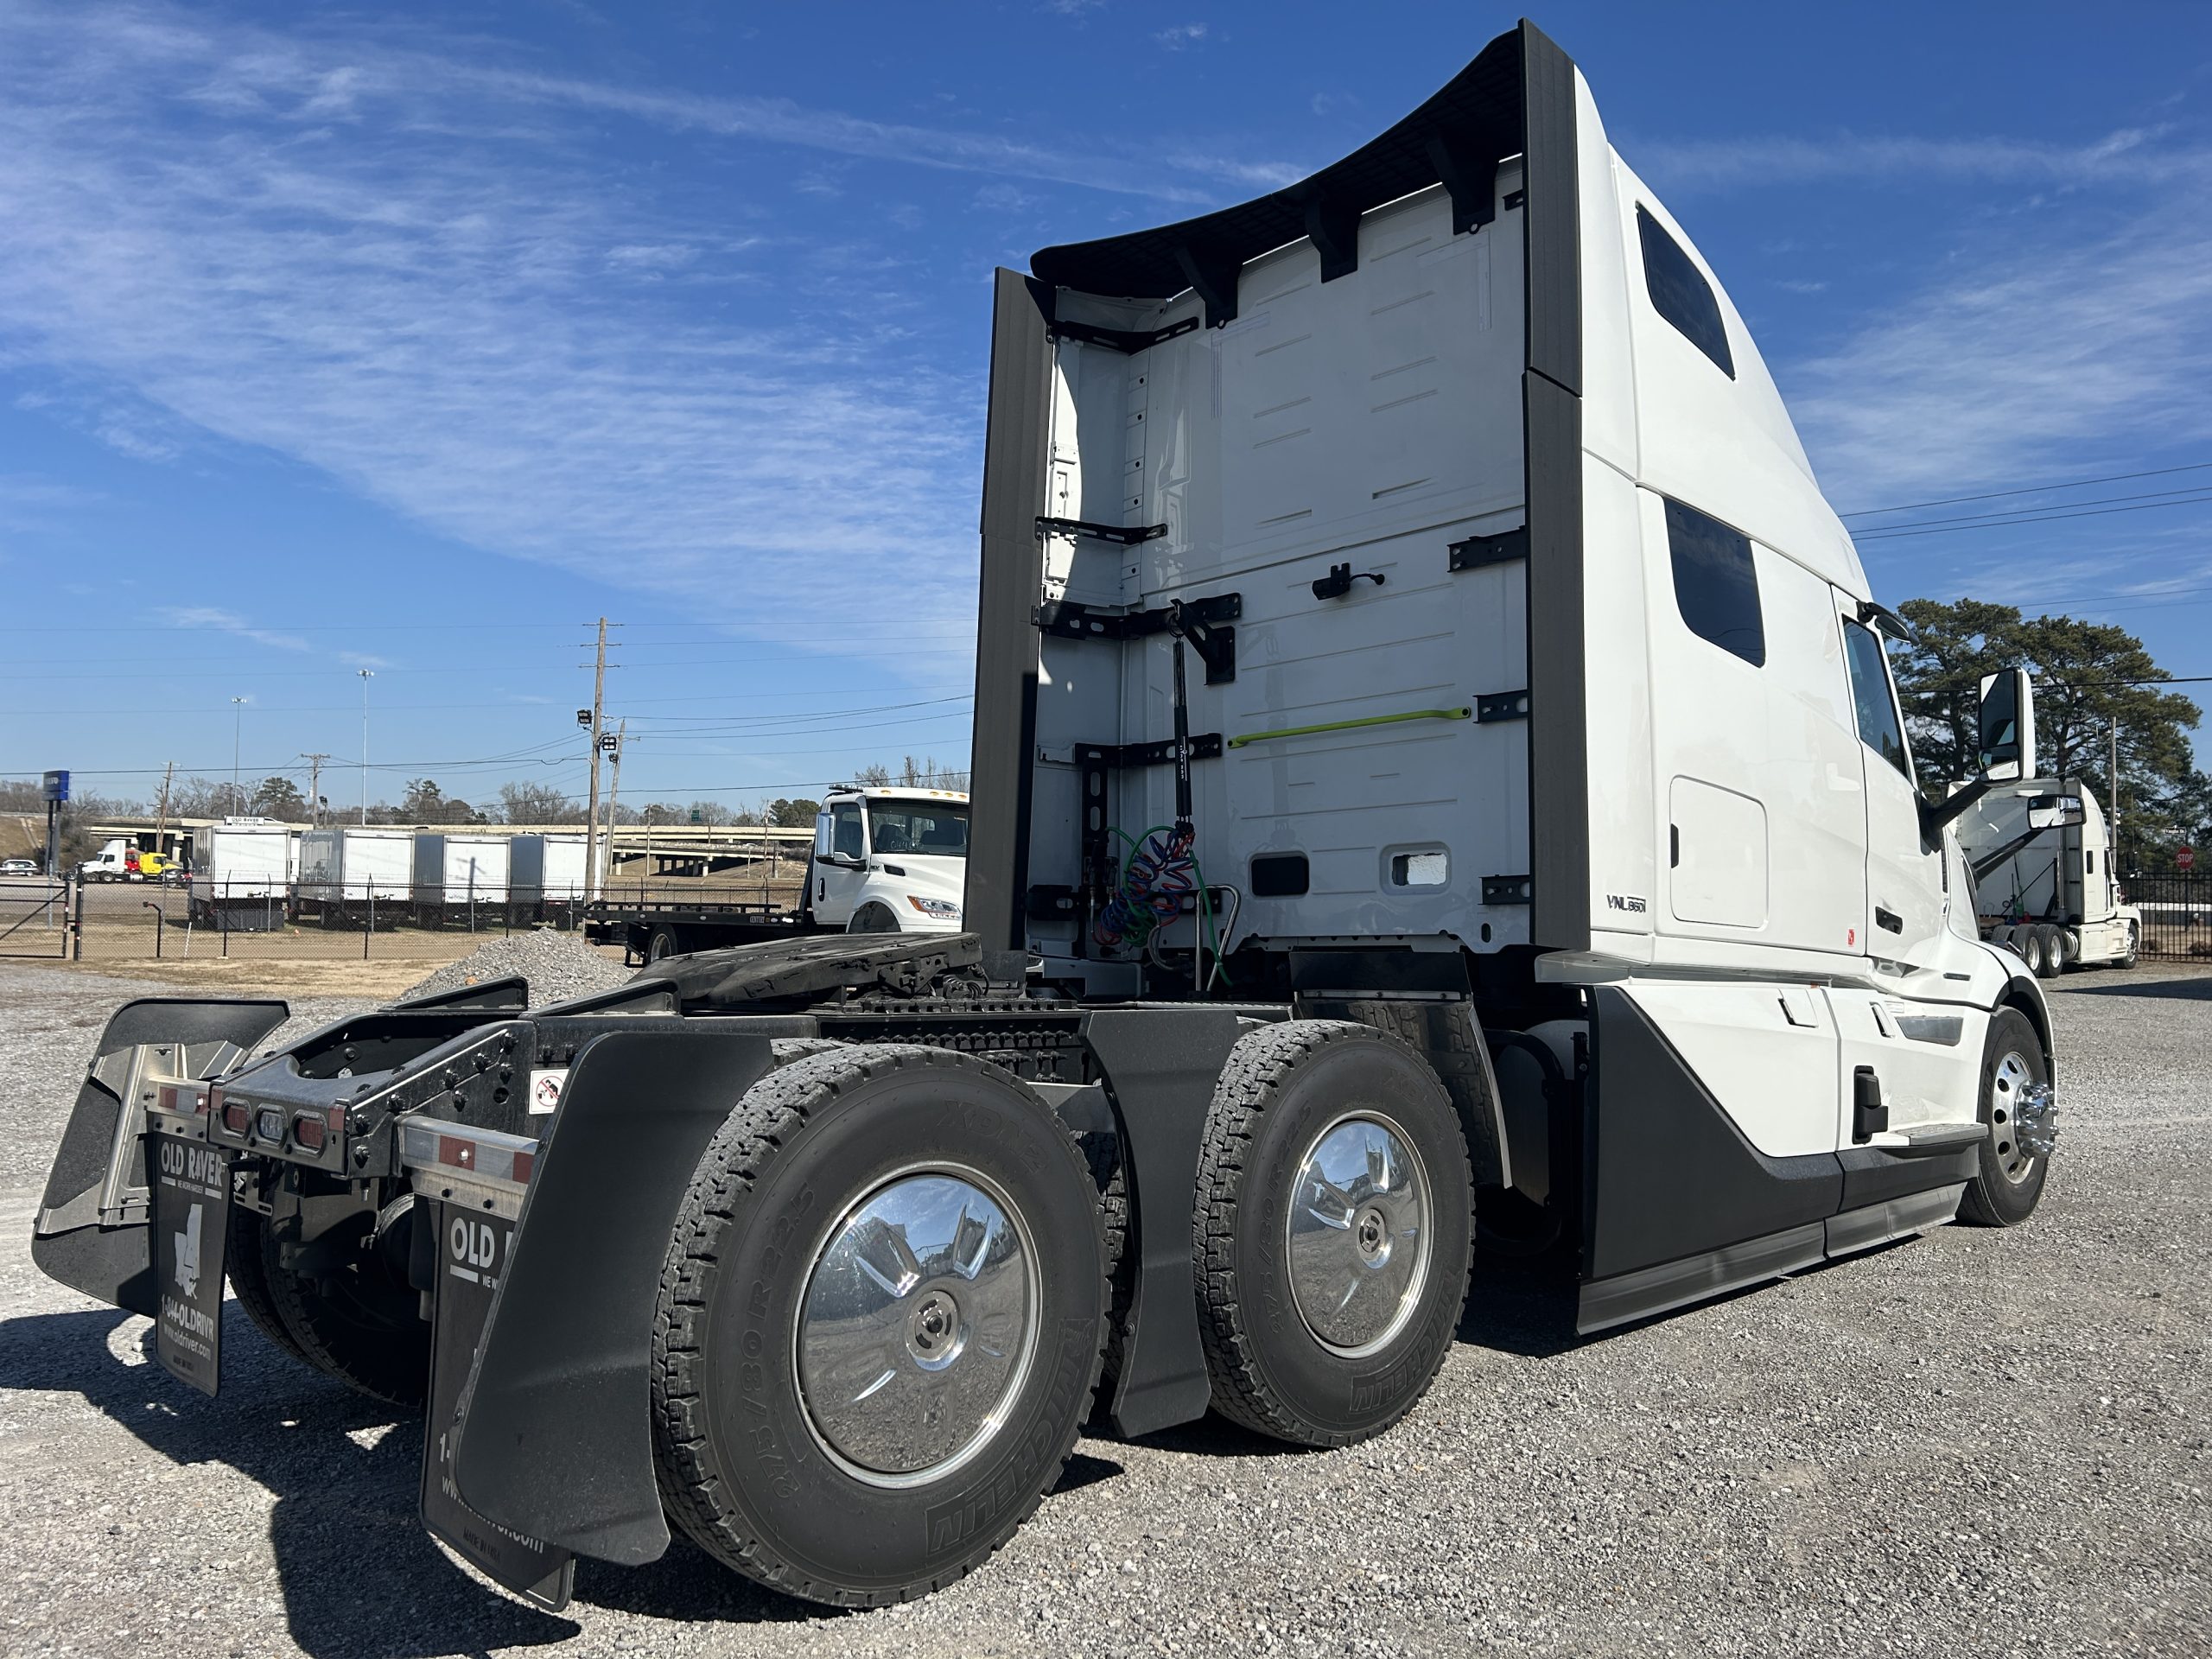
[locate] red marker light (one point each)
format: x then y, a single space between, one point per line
310 1131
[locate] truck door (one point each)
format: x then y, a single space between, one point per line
840 861
1905 875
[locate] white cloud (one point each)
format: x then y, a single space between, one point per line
1180 36
2042 357
2132 156
191 618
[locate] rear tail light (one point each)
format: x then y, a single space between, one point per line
237 1117
310 1131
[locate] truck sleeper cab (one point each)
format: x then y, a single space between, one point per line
1435 758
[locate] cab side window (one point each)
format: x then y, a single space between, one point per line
1716 585
845 831
1681 294
1878 725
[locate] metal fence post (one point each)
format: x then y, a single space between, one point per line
369 931
74 944
222 914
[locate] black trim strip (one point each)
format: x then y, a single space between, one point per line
1015 443
1478 117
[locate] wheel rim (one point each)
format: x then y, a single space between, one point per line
1357 1235
917 1327
2008 1085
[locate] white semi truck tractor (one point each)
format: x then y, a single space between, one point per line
2045 882
1434 760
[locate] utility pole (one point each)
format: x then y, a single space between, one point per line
591 812
161 813
2113 817
366 675
314 787
237 724
614 791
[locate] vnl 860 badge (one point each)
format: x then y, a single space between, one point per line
190 1186
472 1250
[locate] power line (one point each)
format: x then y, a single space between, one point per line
2001 521
2028 489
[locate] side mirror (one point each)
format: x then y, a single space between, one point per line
2008 726
2063 813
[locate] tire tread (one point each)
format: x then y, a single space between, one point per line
772 1114
1259 1067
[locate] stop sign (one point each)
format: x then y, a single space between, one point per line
2186 858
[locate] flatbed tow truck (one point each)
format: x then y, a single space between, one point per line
1424 553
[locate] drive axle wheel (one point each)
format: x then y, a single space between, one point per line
361 1321
1332 1231
2016 1105
879 1324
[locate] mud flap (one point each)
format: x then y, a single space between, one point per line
471 1250
91 1233
551 1439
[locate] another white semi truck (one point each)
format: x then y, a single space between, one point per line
1435 758
884 859
2045 882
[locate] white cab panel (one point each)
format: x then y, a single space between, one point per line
1766 1052
1719 863
1927 1055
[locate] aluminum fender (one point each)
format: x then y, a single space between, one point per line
555 1440
101 1162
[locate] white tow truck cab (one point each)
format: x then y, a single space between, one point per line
1420 565
889 860
2044 881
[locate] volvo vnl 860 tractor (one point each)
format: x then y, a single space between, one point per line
1434 759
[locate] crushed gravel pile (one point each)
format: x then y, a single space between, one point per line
557 965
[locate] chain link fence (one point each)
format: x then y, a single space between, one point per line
195 920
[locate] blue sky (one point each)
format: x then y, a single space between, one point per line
413 339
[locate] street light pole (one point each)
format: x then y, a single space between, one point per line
366 675
237 720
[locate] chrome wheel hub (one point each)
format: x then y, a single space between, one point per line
1357 1241
917 1327
2021 1114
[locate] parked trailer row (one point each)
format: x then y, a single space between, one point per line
1435 758
250 875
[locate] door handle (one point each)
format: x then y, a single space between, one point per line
1674 846
1888 920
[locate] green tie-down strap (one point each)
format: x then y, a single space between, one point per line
1348 725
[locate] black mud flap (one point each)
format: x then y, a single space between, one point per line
552 1440
90 1232
472 1250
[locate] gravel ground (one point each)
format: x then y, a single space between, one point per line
1974 1443
558 965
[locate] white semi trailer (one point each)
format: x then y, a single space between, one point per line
345 872
2044 881
242 873
1410 633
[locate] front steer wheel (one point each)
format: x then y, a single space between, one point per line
879 1324
2014 1107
